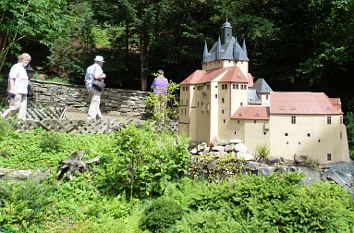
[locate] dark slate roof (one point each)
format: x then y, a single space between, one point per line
261 86
253 97
227 51
230 50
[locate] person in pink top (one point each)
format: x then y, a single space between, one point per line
159 87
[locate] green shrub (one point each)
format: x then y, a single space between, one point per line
144 161
262 152
5 128
263 204
206 222
50 141
160 215
23 204
171 111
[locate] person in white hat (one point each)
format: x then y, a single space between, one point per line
94 72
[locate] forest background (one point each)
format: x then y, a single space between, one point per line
294 45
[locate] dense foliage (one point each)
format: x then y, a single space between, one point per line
140 186
294 45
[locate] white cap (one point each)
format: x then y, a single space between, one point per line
99 58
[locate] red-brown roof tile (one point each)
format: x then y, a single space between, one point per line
234 74
250 79
303 103
251 113
230 74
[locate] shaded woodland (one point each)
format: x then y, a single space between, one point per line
294 45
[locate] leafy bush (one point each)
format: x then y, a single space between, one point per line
263 204
5 128
171 111
50 141
161 214
144 161
206 222
23 204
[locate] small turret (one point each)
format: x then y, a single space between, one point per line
226 33
244 46
218 52
205 53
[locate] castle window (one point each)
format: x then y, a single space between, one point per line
238 121
198 104
235 132
254 121
241 104
287 143
216 86
319 140
341 120
308 135
329 156
216 96
340 135
224 121
267 96
234 86
223 111
208 87
293 120
329 120
286 134
241 87
224 86
222 100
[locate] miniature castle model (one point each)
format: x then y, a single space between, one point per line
221 102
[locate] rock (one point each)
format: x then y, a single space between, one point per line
300 159
265 171
220 149
229 147
286 161
241 148
245 156
194 151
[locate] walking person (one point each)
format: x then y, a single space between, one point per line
159 87
18 82
95 73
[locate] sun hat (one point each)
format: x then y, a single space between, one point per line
99 58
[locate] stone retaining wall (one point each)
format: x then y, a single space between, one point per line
75 98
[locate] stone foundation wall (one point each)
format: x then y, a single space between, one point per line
75 98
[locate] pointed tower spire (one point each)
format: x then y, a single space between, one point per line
244 46
218 49
205 52
235 51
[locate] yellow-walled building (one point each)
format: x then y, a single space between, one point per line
221 101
